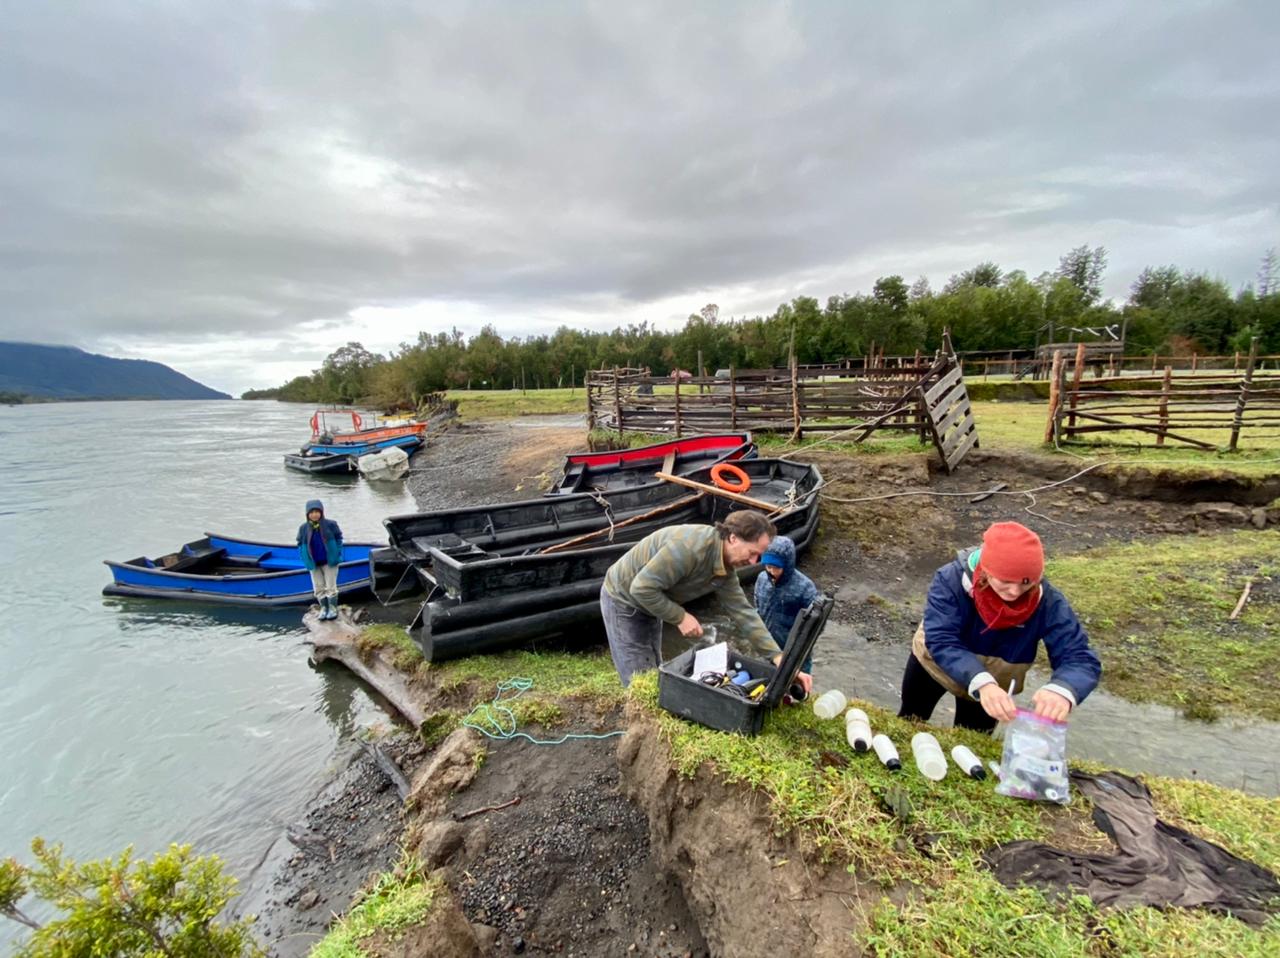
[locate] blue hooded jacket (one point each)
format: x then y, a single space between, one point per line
955 635
780 602
328 532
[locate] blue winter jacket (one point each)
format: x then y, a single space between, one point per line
329 531
962 646
780 602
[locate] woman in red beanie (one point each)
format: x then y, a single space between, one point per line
984 619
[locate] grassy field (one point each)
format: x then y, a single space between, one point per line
506 403
1159 615
1010 426
933 842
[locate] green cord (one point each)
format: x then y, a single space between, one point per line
499 722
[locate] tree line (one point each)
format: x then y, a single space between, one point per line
1169 311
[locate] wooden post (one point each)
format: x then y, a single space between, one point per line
733 398
1235 366
1055 398
1238 423
1194 358
795 399
701 372
916 362
1154 356
1076 375
1062 388
1165 389
617 403
677 402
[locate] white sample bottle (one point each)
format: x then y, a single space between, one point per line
969 763
929 758
829 704
857 729
886 752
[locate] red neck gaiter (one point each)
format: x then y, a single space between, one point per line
995 611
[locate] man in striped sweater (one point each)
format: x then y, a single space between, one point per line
668 568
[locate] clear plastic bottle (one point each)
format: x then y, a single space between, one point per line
887 752
928 755
829 704
857 729
969 763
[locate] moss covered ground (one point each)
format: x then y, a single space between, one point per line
507 403
955 906
1159 614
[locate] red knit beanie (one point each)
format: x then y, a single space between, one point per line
1012 552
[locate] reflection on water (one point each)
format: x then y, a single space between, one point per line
1107 729
145 721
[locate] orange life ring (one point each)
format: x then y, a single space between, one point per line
718 471
315 424
355 420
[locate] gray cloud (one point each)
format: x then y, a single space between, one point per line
217 173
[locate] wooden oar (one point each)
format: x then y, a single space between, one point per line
586 537
722 493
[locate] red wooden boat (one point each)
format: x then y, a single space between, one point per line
626 468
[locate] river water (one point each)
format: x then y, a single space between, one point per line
146 722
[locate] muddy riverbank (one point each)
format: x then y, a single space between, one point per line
543 876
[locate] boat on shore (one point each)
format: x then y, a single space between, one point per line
504 575
614 469
226 569
342 458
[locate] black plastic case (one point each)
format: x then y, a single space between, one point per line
680 692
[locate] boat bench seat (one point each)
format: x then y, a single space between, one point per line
182 563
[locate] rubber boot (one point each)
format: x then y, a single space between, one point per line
330 607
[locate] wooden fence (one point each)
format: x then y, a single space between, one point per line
1166 406
927 398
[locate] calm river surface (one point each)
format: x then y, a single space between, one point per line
148 722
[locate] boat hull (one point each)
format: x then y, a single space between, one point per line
228 570
335 458
618 469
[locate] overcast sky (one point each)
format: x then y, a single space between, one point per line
238 189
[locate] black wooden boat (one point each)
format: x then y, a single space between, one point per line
614 469
504 575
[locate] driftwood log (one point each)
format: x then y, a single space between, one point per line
335 640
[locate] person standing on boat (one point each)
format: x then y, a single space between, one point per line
984 619
320 545
783 592
667 568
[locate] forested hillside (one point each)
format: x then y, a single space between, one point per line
64 372
1169 311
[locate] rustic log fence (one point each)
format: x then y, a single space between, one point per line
1165 406
922 397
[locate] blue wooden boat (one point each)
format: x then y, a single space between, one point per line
237 571
341 457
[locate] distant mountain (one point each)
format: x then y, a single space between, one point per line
64 372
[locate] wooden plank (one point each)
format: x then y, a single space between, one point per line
942 385
722 493
961 410
961 451
953 439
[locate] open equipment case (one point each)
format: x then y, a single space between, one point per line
681 693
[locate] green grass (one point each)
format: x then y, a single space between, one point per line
405 655
397 900
1159 615
953 905
506 403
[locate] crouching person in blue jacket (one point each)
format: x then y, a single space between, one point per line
320 545
984 619
783 592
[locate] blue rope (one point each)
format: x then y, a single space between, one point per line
498 722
